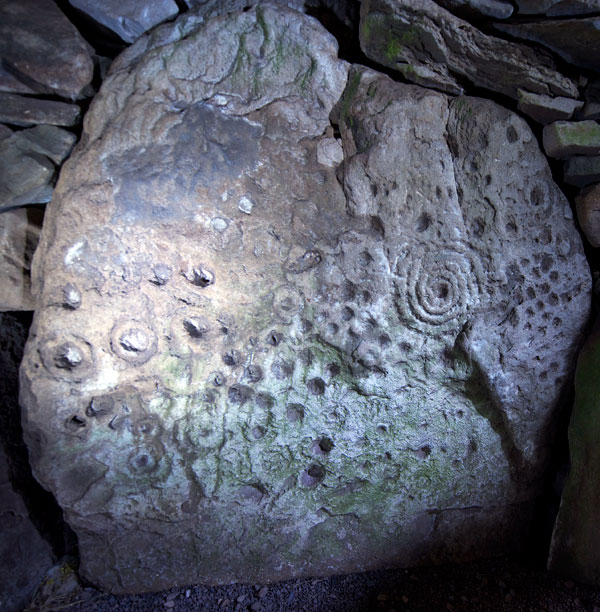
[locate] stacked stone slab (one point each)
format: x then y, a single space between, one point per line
263 352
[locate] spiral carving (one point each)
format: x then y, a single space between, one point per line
438 287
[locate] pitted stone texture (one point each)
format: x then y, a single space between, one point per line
434 48
291 378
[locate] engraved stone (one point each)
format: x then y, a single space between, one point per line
361 372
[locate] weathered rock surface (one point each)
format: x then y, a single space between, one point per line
432 47
588 213
250 363
25 111
564 139
499 9
41 47
575 548
129 19
558 8
27 164
546 109
582 170
19 235
576 40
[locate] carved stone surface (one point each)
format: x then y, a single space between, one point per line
250 363
430 46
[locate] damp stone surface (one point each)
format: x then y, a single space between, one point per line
294 318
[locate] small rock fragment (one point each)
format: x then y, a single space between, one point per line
588 213
129 19
263 592
20 110
582 170
564 139
329 152
545 109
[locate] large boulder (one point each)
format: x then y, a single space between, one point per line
250 361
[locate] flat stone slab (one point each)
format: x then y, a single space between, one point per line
564 139
25 111
557 8
575 40
547 109
129 19
582 170
43 49
10 84
250 361
49 140
412 36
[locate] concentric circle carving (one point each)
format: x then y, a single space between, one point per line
438 287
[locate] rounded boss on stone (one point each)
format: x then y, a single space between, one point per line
133 341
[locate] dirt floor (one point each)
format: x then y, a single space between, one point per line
499 585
